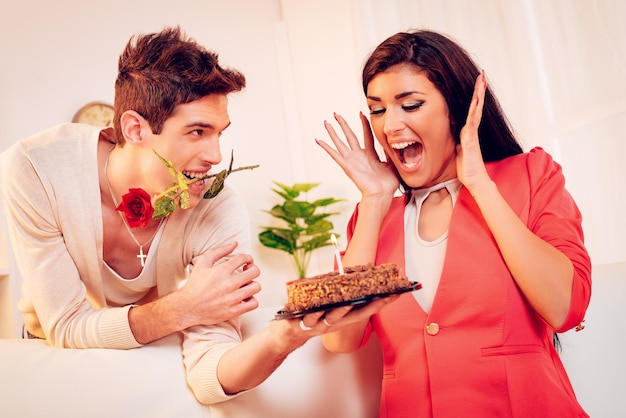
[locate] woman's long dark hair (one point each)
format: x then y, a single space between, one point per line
449 67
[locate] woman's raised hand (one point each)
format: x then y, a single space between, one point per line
470 166
372 176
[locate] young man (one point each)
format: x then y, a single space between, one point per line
100 271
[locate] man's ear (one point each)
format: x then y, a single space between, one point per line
132 124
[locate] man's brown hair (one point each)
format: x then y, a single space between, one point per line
158 71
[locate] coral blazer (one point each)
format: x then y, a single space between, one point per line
482 351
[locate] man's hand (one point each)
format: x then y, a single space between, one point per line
216 292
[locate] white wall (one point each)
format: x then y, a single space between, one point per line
303 60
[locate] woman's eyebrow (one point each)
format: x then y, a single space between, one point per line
397 96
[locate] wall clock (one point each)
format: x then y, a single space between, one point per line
95 113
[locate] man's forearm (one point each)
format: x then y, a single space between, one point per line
157 319
248 364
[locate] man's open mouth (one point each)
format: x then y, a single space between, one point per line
196 175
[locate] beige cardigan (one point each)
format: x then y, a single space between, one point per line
49 184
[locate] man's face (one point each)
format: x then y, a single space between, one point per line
190 141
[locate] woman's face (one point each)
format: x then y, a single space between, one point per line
409 117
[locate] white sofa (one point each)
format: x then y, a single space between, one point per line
40 381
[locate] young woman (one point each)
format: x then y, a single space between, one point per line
489 231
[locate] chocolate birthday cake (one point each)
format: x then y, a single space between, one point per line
356 282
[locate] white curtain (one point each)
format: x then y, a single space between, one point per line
558 69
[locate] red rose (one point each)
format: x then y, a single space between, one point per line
136 207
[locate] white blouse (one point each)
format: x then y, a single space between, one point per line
424 259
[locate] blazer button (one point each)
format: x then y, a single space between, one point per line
432 328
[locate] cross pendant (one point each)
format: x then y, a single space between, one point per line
141 256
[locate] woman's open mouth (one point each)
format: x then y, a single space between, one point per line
409 153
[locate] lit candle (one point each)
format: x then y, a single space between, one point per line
337 255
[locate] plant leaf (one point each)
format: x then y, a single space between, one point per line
298 209
317 227
304 187
306 230
316 242
316 218
327 201
288 192
272 240
284 195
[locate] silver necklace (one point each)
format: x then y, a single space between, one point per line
141 256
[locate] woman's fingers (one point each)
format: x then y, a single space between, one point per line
351 138
341 147
470 165
475 112
368 136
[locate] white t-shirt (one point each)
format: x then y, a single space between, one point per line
120 291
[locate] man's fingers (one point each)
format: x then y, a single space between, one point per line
209 258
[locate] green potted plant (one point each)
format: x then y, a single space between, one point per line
307 229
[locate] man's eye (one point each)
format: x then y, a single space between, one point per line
413 106
197 132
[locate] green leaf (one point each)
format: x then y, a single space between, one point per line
217 185
327 201
316 218
284 195
317 227
304 187
288 193
298 209
163 207
272 240
278 212
316 242
288 234
182 181
183 200
167 163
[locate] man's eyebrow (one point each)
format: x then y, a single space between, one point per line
204 125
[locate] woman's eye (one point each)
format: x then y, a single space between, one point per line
413 106
377 111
